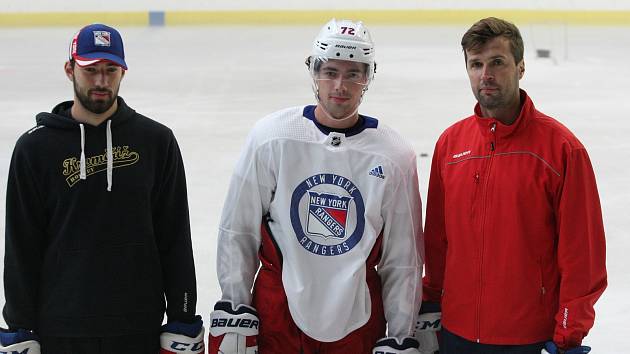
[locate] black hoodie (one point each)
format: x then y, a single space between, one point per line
82 261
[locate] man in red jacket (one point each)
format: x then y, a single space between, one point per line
515 245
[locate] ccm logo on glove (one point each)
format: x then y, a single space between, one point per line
427 324
180 347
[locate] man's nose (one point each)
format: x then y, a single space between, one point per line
486 73
339 84
101 79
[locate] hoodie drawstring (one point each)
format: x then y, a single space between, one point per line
110 156
83 174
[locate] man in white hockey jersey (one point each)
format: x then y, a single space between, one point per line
324 205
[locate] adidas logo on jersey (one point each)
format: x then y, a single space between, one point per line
377 172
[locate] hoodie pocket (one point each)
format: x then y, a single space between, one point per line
111 281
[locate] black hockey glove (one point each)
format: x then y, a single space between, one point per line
551 348
391 345
20 341
182 338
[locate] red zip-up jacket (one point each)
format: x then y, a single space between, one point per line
515 248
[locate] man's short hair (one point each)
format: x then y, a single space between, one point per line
489 28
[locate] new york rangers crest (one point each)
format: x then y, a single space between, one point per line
327 214
102 39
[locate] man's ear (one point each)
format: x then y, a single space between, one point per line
69 70
521 69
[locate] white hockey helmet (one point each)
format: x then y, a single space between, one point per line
344 40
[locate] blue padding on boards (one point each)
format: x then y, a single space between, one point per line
156 18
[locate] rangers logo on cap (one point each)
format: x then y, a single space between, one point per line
102 38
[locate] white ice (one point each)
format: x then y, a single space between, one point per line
210 84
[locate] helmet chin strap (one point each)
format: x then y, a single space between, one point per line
321 105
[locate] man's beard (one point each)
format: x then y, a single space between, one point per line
497 100
95 106
491 102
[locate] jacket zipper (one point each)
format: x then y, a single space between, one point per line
542 282
476 179
483 222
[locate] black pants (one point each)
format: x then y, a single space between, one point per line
131 344
453 344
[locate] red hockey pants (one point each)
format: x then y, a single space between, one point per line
278 334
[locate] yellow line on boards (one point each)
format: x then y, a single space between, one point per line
395 17
316 17
44 19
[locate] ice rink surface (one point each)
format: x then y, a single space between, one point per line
210 84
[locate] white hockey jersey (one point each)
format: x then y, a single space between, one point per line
330 195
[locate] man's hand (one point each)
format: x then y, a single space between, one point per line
551 348
19 341
182 338
233 329
391 345
428 326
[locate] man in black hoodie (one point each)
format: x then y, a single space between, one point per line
98 241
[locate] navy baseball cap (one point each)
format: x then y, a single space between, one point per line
95 43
